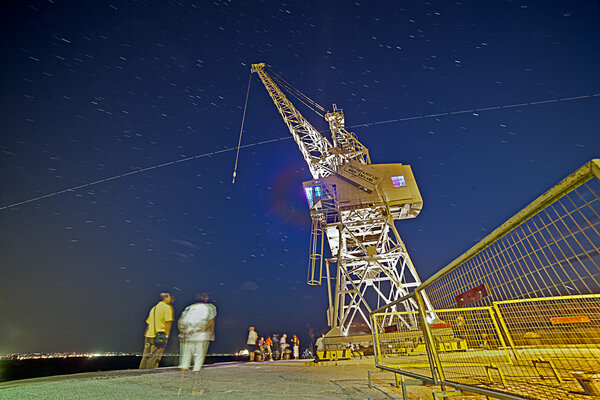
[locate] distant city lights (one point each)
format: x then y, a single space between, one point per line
34 356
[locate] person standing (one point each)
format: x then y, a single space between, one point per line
283 344
321 342
461 325
296 346
276 355
251 342
196 331
158 327
311 335
268 347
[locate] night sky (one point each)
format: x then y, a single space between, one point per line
92 90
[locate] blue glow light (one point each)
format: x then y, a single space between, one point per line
309 195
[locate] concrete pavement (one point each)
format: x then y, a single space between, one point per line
257 380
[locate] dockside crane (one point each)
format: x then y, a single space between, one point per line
354 204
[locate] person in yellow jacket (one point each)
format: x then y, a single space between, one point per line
158 327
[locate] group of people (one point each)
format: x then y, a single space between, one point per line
274 347
196 329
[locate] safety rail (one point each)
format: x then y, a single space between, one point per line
518 315
328 213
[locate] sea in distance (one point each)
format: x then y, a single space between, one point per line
11 369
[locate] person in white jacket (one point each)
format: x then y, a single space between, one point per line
196 329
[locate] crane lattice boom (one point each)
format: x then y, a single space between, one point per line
322 157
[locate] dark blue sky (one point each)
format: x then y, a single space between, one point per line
91 90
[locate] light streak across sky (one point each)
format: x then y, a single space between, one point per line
473 111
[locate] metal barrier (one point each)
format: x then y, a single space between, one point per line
516 316
563 331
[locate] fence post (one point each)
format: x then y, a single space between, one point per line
432 353
375 335
505 329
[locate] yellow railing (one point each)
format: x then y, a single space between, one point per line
537 346
564 329
532 328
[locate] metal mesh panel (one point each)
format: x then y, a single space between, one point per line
472 341
554 252
564 330
400 343
535 347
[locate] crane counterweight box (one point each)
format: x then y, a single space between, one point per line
357 186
